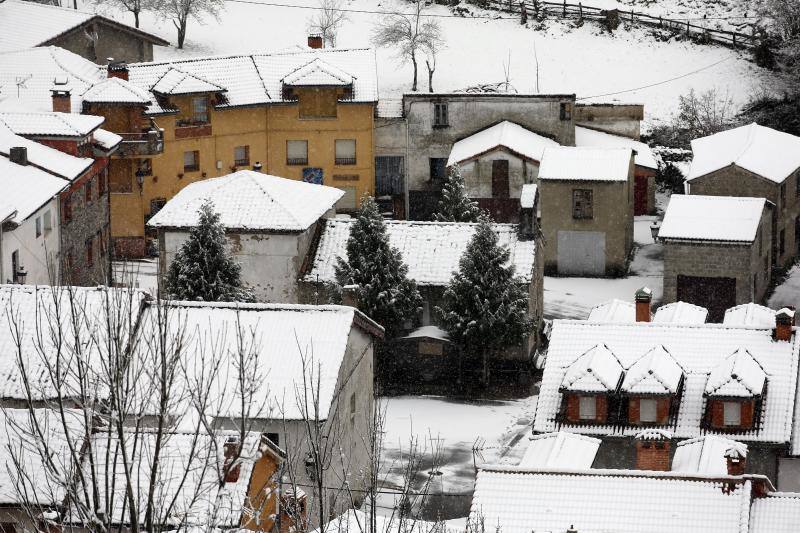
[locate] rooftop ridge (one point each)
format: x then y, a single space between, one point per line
426 223
174 61
666 325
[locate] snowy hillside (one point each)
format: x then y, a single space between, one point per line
582 60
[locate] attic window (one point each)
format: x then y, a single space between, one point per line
587 409
648 410
732 413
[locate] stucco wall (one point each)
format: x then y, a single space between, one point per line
735 181
37 254
619 119
111 42
478 174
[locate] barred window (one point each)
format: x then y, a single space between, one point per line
582 204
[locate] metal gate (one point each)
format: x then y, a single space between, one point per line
581 253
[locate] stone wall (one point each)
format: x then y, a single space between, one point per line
111 42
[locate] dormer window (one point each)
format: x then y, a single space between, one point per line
652 388
317 86
587 408
589 386
734 391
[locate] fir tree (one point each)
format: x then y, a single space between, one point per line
455 205
202 269
484 310
376 268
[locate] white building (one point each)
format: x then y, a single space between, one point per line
270 223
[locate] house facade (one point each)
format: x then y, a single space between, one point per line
587 210
270 224
717 251
93 37
756 162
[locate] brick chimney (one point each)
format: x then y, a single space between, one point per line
652 450
62 103
18 155
315 41
784 321
117 69
231 449
736 457
643 298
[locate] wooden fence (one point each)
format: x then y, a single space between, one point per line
538 8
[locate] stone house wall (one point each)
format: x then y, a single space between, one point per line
112 42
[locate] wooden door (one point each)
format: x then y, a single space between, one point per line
715 294
500 178
640 195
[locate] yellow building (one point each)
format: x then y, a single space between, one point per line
305 115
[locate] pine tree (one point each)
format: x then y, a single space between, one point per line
455 205
484 310
376 268
202 269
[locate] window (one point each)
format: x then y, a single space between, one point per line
90 251
345 151
438 167
296 152
648 411
66 207
274 438
15 266
101 185
191 161
732 413
48 221
587 409
241 156
38 226
582 204
88 191
565 111
200 109
781 242
440 118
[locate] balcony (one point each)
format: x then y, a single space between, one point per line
143 144
190 131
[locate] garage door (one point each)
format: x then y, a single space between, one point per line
581 253
715 294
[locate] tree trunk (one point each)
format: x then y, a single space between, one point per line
414 62
136 18
430 75
181 34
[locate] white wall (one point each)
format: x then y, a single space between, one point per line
36 254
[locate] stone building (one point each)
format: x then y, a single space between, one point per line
270 224
586 199
755 162
716 251
28 24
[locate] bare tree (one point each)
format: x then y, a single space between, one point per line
411 33
135 7
327 20
180 11
705 113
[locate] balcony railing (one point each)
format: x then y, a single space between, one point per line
141 144
297 161
345 160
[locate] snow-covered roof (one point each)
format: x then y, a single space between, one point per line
706 455
38 311
248 200
712 218
428 332
389 108
778 512
516 500
738 375
431 250
527 198
176 82
698 349
318 72
54 161
508 135
596 370
281 335
29 24
355 521
585 164
50 124
613 311
768 153
27 188
189 473
656 372
116 91
750 314
105 139
588 137
18 432
560 450
680 313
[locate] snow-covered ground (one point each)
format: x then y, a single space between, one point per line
585 60
140 274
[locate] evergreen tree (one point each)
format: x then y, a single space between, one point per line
484 310
455 205
384 291
202 269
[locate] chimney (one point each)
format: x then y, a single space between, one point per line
652 450
643 298
315 41
784 322
231 449
18 155
350 295
736 457
61 99
117 69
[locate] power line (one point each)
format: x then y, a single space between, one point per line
657 83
